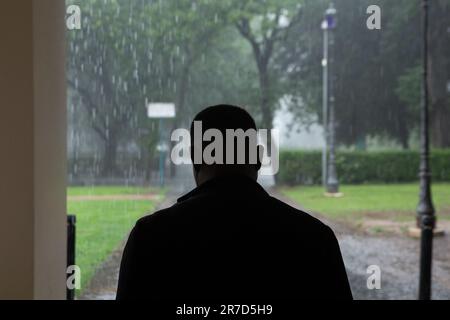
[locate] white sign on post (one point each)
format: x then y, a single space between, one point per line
161 110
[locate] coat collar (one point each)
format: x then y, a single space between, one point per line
233 183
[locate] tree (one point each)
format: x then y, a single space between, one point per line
105 69
266 25
130 53
440 72
185 31
367 66
408 91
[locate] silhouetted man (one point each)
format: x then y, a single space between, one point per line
228 239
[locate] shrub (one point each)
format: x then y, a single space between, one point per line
354 167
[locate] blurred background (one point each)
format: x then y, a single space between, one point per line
270 57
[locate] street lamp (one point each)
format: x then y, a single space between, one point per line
325 102
425 210
330 16
329 24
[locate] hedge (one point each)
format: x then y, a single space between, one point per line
355 167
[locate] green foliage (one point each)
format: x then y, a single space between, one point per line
304 167
108 63
370 65
253 53
266 26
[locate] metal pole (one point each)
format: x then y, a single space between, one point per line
325 104
332 181
161 153
425 210
71 227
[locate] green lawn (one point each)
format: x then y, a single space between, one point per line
394 201
103 225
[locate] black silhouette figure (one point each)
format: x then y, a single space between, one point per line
228 239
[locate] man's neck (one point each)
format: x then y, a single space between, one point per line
207 175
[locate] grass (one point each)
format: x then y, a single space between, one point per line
395 201
103 225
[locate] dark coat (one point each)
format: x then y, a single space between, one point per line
228 239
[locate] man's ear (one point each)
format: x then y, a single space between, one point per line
259 156
196 166
191 153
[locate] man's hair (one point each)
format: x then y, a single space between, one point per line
223 117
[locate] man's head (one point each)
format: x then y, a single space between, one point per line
226 144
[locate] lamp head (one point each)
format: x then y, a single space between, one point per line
330 17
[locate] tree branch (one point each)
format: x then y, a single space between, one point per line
243 27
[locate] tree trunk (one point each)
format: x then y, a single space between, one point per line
439 65
110 157
180 103
404 135
264 87
440 122
404 141
265 105
267 112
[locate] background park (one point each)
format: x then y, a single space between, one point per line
268 57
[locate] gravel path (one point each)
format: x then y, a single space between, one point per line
398 259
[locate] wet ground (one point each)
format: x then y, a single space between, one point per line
396 255
398 259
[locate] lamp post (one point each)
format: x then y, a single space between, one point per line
425 210
332 186
325 102
161 111
162 148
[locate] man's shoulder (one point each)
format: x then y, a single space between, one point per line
275 209
175 215
297 217
156 218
